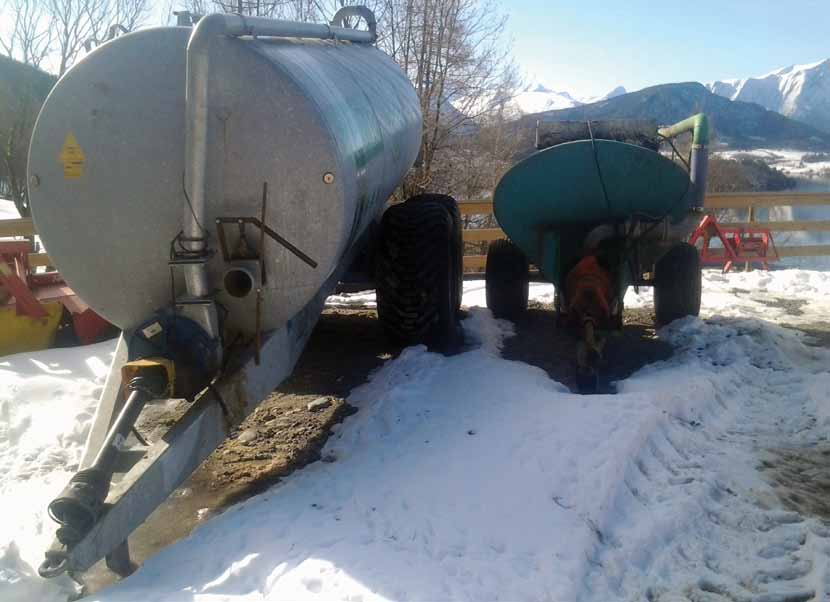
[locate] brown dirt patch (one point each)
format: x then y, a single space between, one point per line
283 434
801 478
818 333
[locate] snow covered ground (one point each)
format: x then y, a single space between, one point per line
472 477
47 400
789 161
8 210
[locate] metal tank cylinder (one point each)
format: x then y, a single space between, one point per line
330 126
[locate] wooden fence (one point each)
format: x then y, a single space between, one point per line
728 200
23 227
732 200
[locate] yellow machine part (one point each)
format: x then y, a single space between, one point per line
19 333
150 364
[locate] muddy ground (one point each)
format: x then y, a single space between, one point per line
284 435
801 475
281 436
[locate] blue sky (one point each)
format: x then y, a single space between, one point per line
588 47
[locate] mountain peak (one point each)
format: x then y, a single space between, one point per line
538 98
801 92
537 88
618 91
739 124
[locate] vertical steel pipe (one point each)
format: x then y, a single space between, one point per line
197 103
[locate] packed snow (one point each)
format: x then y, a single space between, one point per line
47 400
789 161
8 210
472 477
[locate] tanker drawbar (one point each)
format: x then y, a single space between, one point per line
205 189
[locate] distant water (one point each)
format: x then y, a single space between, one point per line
805 213
812 185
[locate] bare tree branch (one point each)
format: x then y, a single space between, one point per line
29 37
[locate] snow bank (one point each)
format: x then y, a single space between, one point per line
47 400
789 161
466 477
8 210
786 296
473 477
695 519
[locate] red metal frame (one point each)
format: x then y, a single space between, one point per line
15 254
28 289
740 244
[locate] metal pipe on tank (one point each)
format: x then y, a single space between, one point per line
198 107
699 126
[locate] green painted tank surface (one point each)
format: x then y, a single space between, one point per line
550 201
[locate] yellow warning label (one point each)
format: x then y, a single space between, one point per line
72 158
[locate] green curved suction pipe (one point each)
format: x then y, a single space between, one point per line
698 124
699 165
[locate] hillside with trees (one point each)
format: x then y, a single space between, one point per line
39 41
23 88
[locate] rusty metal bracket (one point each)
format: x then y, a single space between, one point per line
264 229
267 230
262 275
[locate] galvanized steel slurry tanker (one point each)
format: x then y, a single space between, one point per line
205 188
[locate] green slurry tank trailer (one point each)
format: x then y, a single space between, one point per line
598 209
206 187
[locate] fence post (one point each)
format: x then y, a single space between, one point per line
751 220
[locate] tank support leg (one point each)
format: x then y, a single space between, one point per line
108 407
119 562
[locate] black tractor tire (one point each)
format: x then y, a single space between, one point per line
416 274
677 284
451 206
507 279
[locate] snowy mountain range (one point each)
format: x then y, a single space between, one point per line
538 98
737 124
801 92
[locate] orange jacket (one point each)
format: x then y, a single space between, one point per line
588 290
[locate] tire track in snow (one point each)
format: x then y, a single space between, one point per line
696 521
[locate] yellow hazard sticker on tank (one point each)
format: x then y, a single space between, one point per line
72 158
